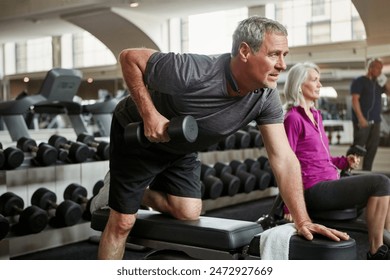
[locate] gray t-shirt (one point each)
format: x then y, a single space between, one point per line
189 84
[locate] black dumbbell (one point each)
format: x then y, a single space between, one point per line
265 165
356 150
255 135
213 186
243 139
4 227
263 178
102 148
13 157
228 143
231 183
180 129
248 180
78 194
67 213
43 154
31 219
96 188
77 152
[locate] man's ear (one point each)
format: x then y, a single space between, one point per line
245 51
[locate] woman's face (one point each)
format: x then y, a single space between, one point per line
311 86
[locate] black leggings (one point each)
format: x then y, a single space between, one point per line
346 192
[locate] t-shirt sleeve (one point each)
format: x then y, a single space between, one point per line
356 86
272 110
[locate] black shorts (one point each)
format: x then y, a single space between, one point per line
133 169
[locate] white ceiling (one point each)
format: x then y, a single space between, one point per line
28 19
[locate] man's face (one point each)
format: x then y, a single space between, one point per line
265 66
375 69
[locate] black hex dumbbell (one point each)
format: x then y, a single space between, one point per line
248 180
31 219
67 213
11 157
4 227
180 129
43 154
213 186
101 148
77 152
231 183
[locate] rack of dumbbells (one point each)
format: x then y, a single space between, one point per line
44 186
236 170
55 178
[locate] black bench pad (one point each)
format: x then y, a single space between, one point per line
320 248
207 232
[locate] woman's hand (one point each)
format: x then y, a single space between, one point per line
353 161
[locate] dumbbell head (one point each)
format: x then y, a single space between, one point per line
356 150
78 152
183 129
33 219
103 150
206 170
96 188
85 138
228 143
44 198
11 204
213 187
25 144
46 154
222 168
243 139
14 157
57 141
263 178
237 166
68 213
251 165
134 135
231 184
76 193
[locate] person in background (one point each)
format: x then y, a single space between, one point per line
366 94
323 187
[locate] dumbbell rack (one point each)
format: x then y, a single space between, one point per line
25 181
226 156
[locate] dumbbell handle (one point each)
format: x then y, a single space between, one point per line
180 128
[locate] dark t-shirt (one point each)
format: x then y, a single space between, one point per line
189 84
370 98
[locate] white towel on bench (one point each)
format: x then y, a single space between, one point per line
275 242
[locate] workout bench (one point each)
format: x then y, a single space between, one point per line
212 238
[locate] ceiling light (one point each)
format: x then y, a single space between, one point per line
133 4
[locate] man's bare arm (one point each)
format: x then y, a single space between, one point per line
133 63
